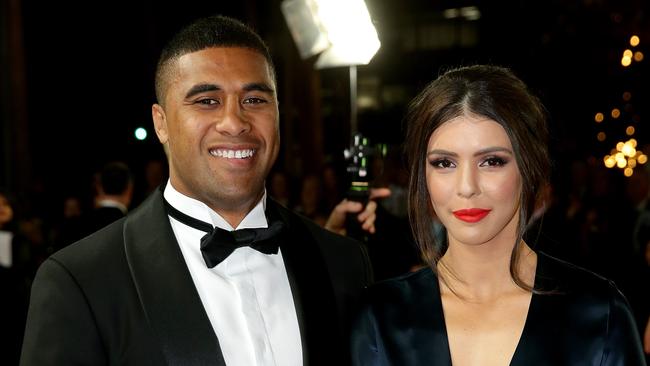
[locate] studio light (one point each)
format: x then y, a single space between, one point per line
340 30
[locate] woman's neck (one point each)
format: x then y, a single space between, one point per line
482 272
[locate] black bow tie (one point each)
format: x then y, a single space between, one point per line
218 243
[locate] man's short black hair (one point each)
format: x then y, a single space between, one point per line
115 178
213 31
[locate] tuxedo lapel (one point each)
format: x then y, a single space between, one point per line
165 287
312 291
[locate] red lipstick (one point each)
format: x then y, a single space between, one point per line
471 214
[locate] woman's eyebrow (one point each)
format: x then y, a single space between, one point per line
493 149
487 150
442 152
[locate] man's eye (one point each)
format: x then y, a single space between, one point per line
207 101
254 100
441 163
493 161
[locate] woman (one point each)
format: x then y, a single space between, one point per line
476 144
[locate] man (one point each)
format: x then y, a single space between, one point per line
150 289
113 197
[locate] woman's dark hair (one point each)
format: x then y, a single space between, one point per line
487 91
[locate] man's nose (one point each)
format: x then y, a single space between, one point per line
233 121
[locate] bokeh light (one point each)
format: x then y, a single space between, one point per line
140 133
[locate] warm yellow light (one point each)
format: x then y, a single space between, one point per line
631 163
610 162
638 56
628 53
621 163
619 146
632 141
634 40
599 117
628 150
642 159
628 172
627 96
626 61
613 151
616 113
629 130
601 136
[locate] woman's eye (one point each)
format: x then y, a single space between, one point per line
441 163
493 161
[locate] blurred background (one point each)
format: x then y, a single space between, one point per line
76 83
77 77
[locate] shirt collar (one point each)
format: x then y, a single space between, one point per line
254 219
111 203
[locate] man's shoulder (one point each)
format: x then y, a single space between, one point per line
322 236
344 257
94 248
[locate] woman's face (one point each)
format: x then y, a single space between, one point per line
473 180
6 212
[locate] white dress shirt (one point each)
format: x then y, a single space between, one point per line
247 296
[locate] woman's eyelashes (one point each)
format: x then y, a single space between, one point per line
491 161
441 163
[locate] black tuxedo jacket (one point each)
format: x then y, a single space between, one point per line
99 218
581 320
124 296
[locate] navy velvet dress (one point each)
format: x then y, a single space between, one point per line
585 321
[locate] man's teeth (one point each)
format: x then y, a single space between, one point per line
233 154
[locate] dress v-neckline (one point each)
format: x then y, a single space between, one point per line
522 344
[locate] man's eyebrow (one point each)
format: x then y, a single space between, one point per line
263 87
201 88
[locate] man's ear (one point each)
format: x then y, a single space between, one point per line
160 122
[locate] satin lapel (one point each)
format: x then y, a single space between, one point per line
165 287
437 352
537 344
312 291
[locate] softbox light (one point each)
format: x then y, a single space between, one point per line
340 30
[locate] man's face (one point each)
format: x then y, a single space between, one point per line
220 122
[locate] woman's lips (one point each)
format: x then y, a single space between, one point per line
471 214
